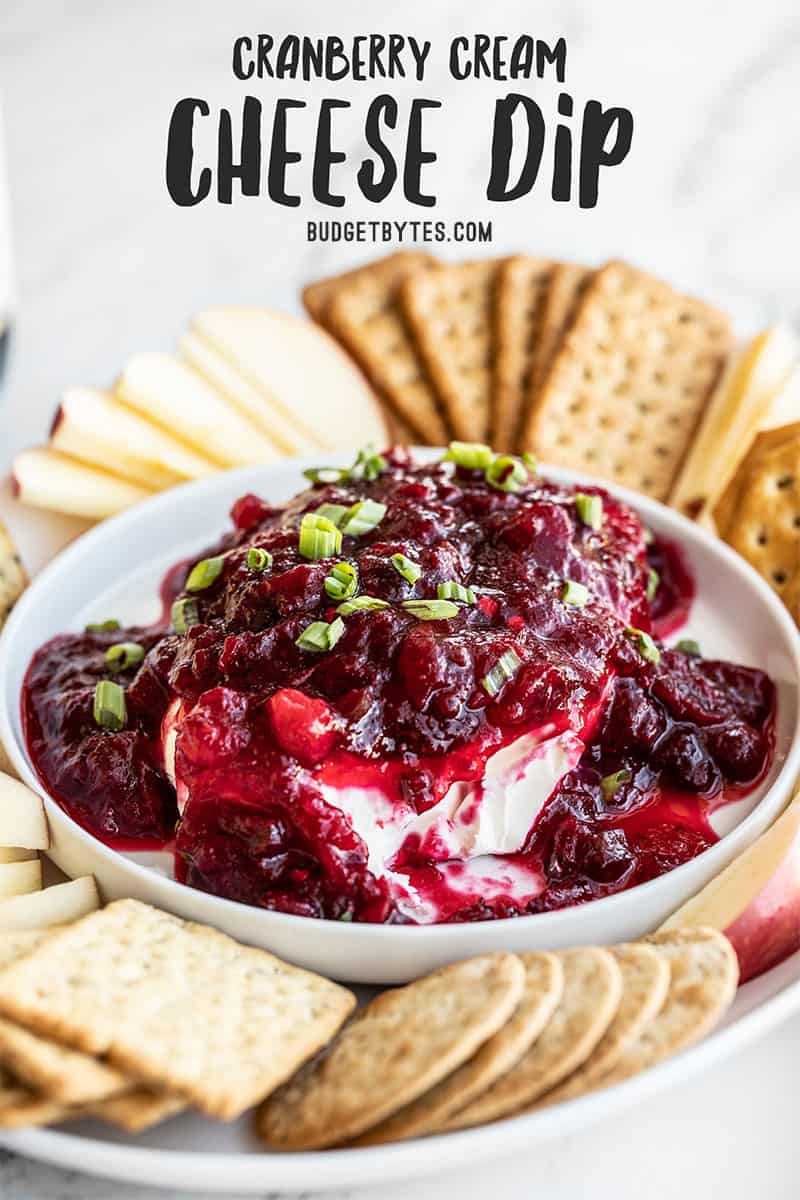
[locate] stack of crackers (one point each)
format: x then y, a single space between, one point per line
133 1015
606 371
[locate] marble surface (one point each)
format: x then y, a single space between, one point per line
106 266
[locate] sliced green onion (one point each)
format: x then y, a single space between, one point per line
319 537
506 474
362 517
590 509
368 465
653 580
645 645
503 670
103 626
531 462
475 456
455 591
124 655
576 594
610 784
109 707
258 559
324 474
332 512
689 646
204 573
431 610
342 581
319 636
346 916
410 571
184 615
361 604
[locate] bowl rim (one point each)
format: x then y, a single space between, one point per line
680 528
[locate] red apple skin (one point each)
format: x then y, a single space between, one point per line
15 488
768 930
57 419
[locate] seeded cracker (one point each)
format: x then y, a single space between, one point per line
522 286
451 311
175 1004
592 994
629 384
361 309
398 1047
544 985
645 980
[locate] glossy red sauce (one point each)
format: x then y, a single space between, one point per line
399 701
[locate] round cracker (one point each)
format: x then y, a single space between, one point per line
645 980
396 1048
592 994
544 986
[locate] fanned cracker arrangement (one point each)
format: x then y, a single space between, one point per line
132 1016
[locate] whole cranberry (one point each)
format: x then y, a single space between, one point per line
304 726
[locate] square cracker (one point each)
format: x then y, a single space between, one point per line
523 283
176 1004
361 310
628 386
22 1109
568 282
451 312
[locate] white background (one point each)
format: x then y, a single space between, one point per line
107 266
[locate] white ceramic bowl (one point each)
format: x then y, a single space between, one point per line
116 568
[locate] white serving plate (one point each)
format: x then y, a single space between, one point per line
190 1152
115 570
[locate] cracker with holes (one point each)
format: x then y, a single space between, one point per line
758 514
399 1046
591 997
451 312
568 282
174 1004
361 309
630 382
317 296
522 286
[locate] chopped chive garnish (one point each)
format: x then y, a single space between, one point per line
431 610
475 456
645 645
124 655
258 559
204 573
319 537
410 571
361 604
346 916
610 784
531 462
324 474
590 509
184 615
503 670
362 517
455 591
319 636
368 465
576 594
342 581
506 474
653 580
332 512
689 646
109 708
103 626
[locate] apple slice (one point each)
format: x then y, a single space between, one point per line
168 392
57 905
20 878
300 371
22 817
15 854
47 479
252 402
742 404
91 425
755 900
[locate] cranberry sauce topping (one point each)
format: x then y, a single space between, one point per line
265 717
